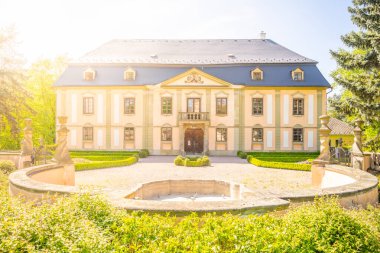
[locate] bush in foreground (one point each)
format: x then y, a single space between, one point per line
278 165
7 167
85 223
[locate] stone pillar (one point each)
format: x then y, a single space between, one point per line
62 155
181 139
26 146
317 168
357 152
206 146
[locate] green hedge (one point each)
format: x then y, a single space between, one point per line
106 164
242 154
102 153
196 161
286 157
104 158
278 165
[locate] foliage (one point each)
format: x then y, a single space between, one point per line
106 164
40 78
102 153
7 166
285 157
85 223
358 71
242 154
278 165
13 95
192 161
143 153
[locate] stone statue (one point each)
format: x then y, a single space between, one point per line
27 142
324 133
62 155
357 152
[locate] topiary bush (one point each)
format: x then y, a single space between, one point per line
242 154
278 165
7 167
192 161
179 160
143 153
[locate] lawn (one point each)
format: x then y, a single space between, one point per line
285 157
89 160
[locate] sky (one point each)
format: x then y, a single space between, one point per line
49 28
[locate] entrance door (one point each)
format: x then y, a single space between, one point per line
194 140
193 105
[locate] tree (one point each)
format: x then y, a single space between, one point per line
40 77
358 70
13 94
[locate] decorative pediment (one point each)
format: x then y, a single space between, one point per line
195 78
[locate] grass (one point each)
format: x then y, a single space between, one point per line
90 160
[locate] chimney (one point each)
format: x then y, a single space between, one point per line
262 35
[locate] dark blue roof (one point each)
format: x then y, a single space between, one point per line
274 75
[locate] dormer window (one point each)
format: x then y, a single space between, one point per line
298 74
257 74
89 74
129 74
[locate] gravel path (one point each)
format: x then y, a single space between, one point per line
264 182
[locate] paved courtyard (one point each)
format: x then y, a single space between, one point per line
263 181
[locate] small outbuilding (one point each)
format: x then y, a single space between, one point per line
340 132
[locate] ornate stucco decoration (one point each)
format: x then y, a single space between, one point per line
194 78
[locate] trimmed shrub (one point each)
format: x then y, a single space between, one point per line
104 158
242 154
7 167
106 164
179 160
192 161
286 157
143 153
278 165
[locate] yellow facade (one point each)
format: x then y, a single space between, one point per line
108 119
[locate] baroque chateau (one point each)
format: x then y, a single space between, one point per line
196 96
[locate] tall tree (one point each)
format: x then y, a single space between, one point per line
13 94
358 70
40 77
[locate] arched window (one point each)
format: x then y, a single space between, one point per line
257 74
298 74
89 74
129 74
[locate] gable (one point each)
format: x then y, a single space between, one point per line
195 78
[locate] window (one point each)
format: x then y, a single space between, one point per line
221 106
297 135
166 134
298 106
221 134
193 105
257 74
88 133
166 105
257 135
129 74
297 74
88 105
89 75
257 106
129 105
129 133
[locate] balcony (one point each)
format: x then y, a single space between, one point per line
193 116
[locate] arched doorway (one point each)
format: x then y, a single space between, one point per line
194 140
